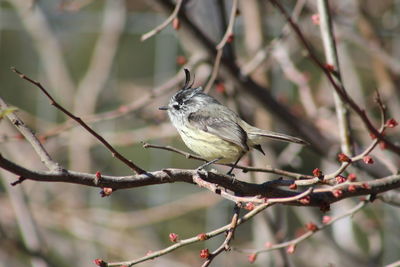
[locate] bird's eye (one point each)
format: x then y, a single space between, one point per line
175 106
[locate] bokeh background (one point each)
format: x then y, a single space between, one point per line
88 54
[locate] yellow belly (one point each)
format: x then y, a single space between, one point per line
210 147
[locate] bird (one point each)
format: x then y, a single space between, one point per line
212 130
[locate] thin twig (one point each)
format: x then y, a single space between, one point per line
309 233
209 235
244 168
164 24
130 107
114 152
220 46
225 245
264 53
331 56
32 139
338 88
47 45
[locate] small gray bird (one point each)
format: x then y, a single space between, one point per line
212 130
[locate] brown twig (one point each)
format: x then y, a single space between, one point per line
115 153
318 198
308 234
342 112
368 150
244 168
220 46
164 24
208 235
225 246
32 139
338 88
130 107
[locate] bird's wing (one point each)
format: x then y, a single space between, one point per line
223 126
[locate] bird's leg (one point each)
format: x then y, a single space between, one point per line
207 164
234 165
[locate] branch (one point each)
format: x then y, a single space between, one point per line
164 24
115 153
225 245
318 198
32 139
48 48
338 88
204 236
130 107
331 56
243 168
220 46
313 229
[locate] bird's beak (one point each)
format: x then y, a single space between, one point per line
163 108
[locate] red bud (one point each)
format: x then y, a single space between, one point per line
368 159
291 248
352 177
249 206
305 200
326 219
181 60
173 237
204 253
100 262
352 188
252 257
176 24
317 172
340 179
337 193
202 236
329 67
311 227
315 19
343 158
391 123
106 191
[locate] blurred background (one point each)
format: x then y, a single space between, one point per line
88 54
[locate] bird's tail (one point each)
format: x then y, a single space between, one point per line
255 135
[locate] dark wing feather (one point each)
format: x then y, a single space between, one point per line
226 129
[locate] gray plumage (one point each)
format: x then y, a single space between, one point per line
211 129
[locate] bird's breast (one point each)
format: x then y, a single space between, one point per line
210 146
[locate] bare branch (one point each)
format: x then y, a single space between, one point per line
225 245
319 197
338 88
308 234
32 139
115 153
165 23
243 168
220 46
196 239
331 56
